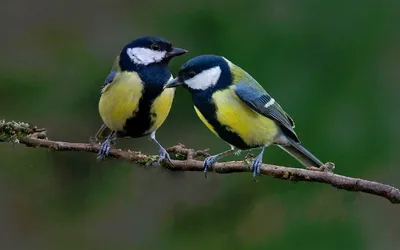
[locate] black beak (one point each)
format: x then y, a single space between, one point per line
173 83
176 52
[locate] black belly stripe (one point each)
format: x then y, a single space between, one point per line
154 76
208 110
143 119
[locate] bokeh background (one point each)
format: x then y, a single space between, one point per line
333 65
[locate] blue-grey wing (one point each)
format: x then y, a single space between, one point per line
254 96
110 77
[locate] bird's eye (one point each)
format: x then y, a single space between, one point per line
155 47
191 74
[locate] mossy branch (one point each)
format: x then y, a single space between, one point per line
19 132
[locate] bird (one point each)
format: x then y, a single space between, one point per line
133 102
235 107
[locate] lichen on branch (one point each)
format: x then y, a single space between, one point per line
186 160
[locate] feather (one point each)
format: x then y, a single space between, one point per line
110 77
254 95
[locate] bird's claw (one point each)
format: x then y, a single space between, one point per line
164 156
93 140
113 140
327 167
208 162
255 166
104 150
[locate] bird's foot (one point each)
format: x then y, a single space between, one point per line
255 166
96 140
164 156
114 140
327 167
104 150
93 140
208 162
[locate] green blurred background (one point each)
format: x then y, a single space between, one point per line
333 65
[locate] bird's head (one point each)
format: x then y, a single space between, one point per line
203 73
146 51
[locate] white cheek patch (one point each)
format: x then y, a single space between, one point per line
145 56
205 79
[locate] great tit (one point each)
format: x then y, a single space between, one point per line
234 106
133 102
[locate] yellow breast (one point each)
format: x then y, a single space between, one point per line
161 107
252 127
119 100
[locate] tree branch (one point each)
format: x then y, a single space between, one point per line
33 137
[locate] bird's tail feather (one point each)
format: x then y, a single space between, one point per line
301 154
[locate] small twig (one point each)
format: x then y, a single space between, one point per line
189 154
37 138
